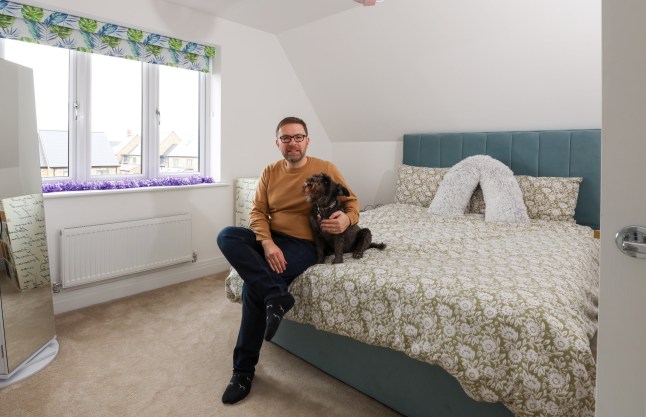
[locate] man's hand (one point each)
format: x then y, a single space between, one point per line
274 256
337 223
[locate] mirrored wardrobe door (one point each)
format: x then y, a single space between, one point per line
28 340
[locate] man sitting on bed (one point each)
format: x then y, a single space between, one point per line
278 247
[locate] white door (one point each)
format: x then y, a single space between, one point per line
621 375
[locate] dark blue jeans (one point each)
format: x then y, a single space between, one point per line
245 254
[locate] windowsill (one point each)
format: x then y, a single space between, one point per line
88 193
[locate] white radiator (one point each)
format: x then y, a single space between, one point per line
104 251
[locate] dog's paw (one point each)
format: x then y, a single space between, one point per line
357 255
338 261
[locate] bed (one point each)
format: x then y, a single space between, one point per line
460 316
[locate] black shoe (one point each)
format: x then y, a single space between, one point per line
276 308
238 388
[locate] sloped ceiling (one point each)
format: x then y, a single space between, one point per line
375 73
274 16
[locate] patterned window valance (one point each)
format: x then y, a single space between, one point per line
37 25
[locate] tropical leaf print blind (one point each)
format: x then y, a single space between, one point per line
37 25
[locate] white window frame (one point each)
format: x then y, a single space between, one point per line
79 125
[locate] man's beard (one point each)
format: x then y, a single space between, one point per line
294 157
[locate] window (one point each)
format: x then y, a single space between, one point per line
102 117
178 119
115 115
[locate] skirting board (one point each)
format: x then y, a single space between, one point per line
73 299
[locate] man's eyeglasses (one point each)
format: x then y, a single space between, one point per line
287 138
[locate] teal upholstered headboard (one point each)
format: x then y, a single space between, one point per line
545 153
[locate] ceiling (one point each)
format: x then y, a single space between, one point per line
274 16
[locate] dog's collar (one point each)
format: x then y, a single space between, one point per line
330 207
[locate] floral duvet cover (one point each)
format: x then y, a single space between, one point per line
507 309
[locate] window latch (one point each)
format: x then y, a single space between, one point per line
76 110
158 117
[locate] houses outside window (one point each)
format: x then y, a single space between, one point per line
116 88
179 124
106 117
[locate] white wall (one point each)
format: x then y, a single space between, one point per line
376 73
205 203
370 168
258 86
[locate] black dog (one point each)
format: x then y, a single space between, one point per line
323 193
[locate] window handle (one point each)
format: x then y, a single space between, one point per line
158 116
76 110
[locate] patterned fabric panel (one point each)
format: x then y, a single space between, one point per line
46 27
418 185
546 198
245 191
507 309
550 198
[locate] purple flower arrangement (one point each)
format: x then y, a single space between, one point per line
124 183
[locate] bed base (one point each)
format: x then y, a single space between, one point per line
408 386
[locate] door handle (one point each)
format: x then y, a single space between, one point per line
631 241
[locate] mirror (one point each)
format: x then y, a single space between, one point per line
27 330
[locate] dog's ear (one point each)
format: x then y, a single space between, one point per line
341 190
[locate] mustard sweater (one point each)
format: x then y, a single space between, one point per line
280 205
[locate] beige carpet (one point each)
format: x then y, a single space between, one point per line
167 352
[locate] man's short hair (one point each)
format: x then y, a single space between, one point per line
291 120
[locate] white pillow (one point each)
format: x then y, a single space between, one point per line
455 190
502 195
